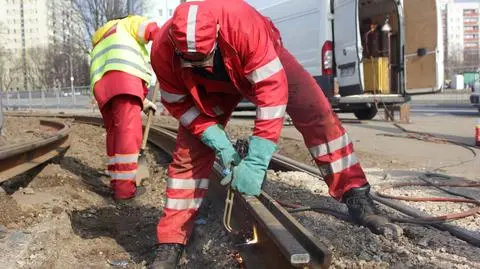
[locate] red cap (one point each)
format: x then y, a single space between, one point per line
193 28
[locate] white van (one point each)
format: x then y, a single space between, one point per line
328 37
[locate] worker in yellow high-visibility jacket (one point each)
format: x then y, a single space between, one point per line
120 74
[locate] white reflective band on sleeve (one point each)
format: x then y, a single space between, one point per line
123 159
265 71
271 112
123 176
182 204
191 25
344 163
324 149
189 115
172 97
187 184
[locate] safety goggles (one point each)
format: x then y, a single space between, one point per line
194 59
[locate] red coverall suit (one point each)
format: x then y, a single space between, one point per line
119 96
256 67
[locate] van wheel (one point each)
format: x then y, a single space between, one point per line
366 113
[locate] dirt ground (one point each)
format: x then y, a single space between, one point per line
61 216
16 133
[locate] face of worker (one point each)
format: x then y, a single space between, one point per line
198 60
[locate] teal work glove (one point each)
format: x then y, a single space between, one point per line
216 138
248 176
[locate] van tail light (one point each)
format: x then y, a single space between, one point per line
327 58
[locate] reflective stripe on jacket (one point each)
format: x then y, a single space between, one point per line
249 52
121 50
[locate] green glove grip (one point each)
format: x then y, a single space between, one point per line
216 138
248 176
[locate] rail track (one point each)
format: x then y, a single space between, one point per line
283 163
19 158
278 235
281 238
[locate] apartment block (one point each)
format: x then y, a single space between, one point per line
461 27
27 24
161 10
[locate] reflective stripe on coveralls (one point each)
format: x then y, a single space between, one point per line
187 185
308 107
123 123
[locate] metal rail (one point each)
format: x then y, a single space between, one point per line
282 241
282 163
19 158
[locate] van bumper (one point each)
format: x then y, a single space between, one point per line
352 102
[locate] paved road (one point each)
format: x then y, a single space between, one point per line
435 110
443 104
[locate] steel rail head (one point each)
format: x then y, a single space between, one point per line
12 150
294 253
266 225
22 157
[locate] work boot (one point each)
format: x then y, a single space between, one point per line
139 191
167 256
364 212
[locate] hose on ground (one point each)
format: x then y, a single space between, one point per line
426 182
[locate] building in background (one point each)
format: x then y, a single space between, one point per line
461 27
26 25
161 10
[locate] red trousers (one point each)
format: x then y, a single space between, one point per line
311 114
123 123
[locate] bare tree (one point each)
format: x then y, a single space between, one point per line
453 61
472 59
8 67
92 14
9 70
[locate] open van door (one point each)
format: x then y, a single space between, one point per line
423 46
348 47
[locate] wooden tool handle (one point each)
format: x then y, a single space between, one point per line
149 117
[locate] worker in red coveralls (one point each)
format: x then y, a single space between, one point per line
120 74
207 58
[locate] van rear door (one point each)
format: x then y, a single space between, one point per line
423 46
348 47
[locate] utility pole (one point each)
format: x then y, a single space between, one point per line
24 53
129 7
1 114
71 80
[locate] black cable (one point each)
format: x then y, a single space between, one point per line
433 184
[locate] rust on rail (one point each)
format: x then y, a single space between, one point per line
19 158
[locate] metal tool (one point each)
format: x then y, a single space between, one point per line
143 170
241 146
